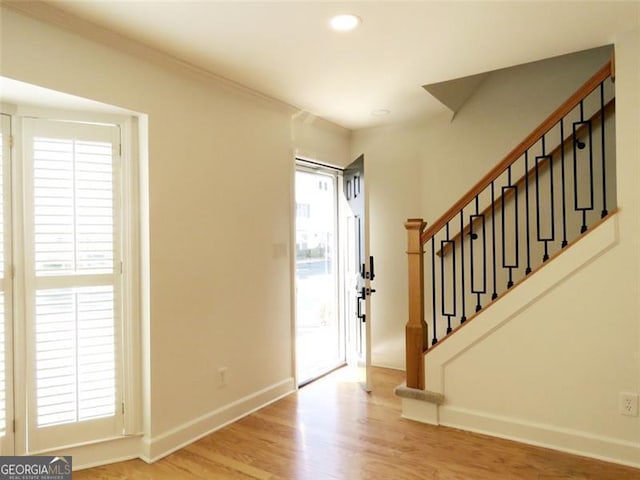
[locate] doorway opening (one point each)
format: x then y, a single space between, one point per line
320 332
334 271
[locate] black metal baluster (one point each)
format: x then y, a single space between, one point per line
444 245
474 237
505 263
464 291
552 233
564 196
494 295
579 145
433 282
526 210
604 212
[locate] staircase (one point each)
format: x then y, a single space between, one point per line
555 192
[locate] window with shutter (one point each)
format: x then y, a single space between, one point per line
73 284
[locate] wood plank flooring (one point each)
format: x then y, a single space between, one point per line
333 430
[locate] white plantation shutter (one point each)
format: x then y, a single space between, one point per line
73 201
73 268
75 355
6 392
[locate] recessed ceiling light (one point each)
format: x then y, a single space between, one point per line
344 23
381 112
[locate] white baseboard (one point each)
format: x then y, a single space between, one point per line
102 453
181 436
543 435
420 411
388 366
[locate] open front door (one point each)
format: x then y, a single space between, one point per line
358 271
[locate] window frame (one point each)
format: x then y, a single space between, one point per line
45 438
130 256
7 442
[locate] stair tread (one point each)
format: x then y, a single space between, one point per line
415 394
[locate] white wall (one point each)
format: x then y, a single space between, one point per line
546 372
392 171
504 109
319 140
220 176
220 225
419 169
552 372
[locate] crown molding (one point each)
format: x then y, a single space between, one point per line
47 13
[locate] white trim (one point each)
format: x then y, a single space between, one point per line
144 288
7 109
543 435
19 292
389 367
310 165
93 32
71 116
292 271
7 442
168 442
130 283
102 453
420 411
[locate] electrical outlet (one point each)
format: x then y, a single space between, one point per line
628 404
222 377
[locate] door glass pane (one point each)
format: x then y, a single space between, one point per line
319 334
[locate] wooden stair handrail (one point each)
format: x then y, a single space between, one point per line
608 109
518 151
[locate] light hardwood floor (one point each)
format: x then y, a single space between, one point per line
333 430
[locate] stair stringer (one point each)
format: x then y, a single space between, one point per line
578 256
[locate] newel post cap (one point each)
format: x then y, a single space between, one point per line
415 224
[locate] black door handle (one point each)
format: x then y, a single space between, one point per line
359 314
371 273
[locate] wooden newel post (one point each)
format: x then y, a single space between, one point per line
416 328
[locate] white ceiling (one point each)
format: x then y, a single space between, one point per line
286 50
